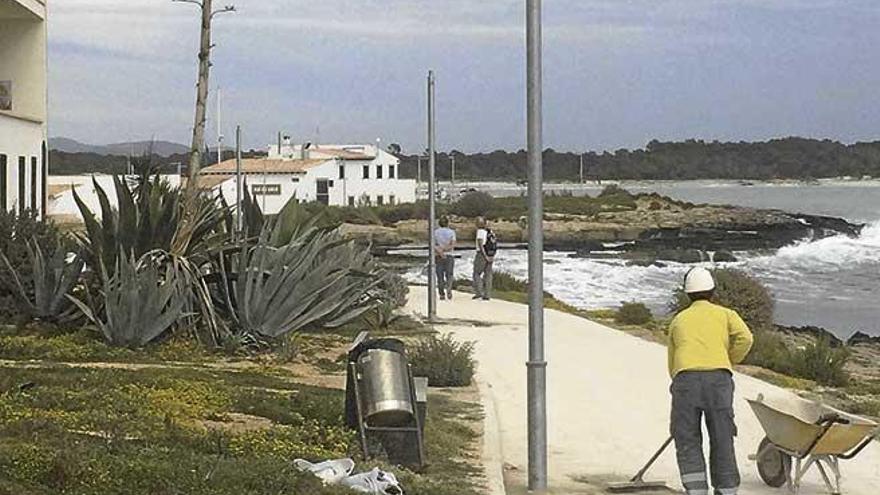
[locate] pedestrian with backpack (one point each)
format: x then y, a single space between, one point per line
487 246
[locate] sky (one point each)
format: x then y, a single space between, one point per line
617 73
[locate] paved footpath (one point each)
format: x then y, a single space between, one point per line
608 401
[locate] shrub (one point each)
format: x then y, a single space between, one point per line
15 233
396 289
822 362
444 361
474 204
741 292
633 313
505 282
819 361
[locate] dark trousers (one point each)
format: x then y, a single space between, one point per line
697 395
445 274
482 276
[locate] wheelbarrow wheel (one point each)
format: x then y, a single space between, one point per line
774 465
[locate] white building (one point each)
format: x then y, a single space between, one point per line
337 175
62 207
23 105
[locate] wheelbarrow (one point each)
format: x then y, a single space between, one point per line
811 434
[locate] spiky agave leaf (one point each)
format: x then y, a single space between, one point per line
319 281
53 278
141 302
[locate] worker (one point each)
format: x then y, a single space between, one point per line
705 341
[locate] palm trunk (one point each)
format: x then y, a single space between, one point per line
198 139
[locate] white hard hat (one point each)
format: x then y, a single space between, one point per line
698 280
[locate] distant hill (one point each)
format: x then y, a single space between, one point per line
137 148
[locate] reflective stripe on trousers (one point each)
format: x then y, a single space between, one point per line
709 394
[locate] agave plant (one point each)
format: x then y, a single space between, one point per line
53 279
149 217
140 302
318 279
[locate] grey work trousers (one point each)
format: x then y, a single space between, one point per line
709 394
482 276
445 274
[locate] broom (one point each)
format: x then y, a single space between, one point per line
638 483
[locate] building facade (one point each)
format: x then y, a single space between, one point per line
337 175
24 155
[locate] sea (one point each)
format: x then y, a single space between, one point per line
832 283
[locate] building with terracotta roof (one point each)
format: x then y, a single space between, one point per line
338 175
23 105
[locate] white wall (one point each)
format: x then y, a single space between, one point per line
65 205
23 129
20 138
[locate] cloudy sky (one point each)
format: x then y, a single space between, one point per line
617 72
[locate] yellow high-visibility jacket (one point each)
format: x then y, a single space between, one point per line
706 336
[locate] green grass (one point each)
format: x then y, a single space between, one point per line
152 429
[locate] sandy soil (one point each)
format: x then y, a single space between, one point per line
608 401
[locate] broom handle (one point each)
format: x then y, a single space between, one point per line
640 474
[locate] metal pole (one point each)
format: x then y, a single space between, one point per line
238 189
432 155
219 130
537 366
419 169
582 168
453 171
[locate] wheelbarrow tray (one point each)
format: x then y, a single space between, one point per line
791 426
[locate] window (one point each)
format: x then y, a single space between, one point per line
366 171
3 181
22 171
391 200
34 204
378 171
380 200
390 171
351 201
323 191
341 172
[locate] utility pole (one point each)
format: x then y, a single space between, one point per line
537 366
205 46
219 130
453 171
238 190
582 168
432 212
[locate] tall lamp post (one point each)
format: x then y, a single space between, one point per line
432 212
536 366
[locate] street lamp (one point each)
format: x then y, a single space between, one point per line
536 366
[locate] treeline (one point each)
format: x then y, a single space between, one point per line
789 158
63 163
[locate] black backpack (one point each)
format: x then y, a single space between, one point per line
491 245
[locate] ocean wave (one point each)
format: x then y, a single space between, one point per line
830 253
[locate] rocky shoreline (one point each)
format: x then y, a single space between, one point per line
658 228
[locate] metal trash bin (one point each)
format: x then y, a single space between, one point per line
384 380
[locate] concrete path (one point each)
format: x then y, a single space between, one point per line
608 400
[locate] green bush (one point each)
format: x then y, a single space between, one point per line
474 204
819 361
741 292
822 362
444 361
505 282
633 313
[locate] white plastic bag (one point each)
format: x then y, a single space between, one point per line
329 472
375 482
